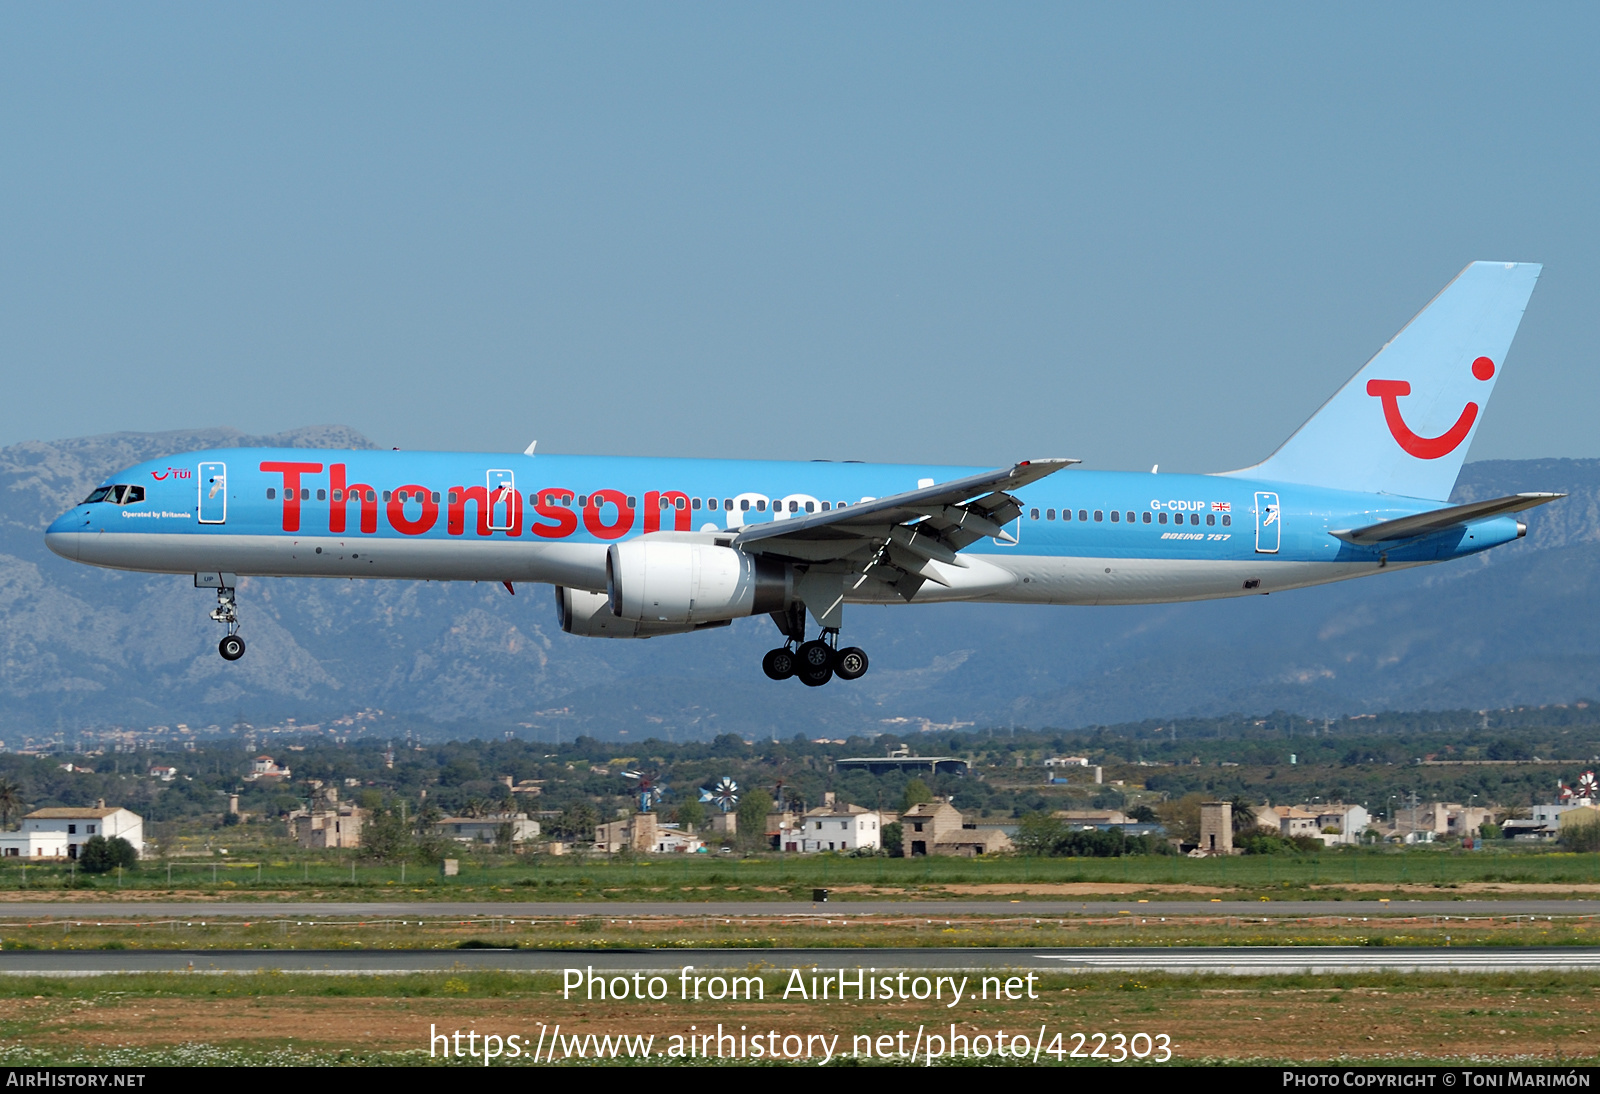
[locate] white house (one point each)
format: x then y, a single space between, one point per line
839 827
62 832
264 767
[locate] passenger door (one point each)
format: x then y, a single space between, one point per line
213 493
1269 525
502 506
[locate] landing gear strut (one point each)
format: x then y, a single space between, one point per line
815 662
227 612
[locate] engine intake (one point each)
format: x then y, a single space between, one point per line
670 581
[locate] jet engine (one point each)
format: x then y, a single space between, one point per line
588 615
671 581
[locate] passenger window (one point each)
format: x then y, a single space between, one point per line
811 507
761 506
1099 514
631 502
794 507
694 503
583 500
1049 514
1194 518
679 503
711 503
436 497
386 495
824 507
372 495
1115 516
338 495
1083 514
1227 521
1033 514
1161 518
305 493
1211 518
727 503
322 495
744 505
1066 514
842 505
1146 517
272 494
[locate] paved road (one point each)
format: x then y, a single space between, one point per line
1232 960
931 909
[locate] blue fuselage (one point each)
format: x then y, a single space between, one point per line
1084 537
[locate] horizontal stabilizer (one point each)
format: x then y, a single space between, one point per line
1438 520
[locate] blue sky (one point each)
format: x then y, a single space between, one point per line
952 233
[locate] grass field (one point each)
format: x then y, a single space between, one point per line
1357 874
837 929
288 1019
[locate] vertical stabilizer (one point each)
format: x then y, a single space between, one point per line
1404 423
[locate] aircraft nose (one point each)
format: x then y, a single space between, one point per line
62 536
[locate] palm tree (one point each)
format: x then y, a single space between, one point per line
1244 814
10 801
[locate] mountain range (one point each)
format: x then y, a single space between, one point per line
84 647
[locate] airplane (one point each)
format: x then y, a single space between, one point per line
639 548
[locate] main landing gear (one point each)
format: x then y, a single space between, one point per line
227 612
815 662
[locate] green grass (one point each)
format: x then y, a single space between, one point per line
792 877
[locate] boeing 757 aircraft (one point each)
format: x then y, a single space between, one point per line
643 547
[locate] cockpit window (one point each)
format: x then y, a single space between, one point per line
116 495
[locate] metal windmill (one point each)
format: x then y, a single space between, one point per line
648 787
724 794
1588 786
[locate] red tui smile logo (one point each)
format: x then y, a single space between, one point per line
1426 448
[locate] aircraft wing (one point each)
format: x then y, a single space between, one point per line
1438 520
894 539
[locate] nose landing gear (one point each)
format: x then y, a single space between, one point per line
227 612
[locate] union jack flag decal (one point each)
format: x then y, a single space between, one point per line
1222 507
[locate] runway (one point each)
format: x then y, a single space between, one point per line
1224 960
91 911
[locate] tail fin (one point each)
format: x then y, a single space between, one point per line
1404 423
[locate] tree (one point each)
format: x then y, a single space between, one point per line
1244 814
893 839
10 801
752 824
1040 834
385 836
1143 814
691 813
100 855
915 793
1182 817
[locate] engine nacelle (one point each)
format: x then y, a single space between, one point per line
673 581
588 615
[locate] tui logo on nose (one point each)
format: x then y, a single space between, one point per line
1426 448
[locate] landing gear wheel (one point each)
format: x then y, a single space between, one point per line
815 678
850 663
231 648
779 664
814 656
